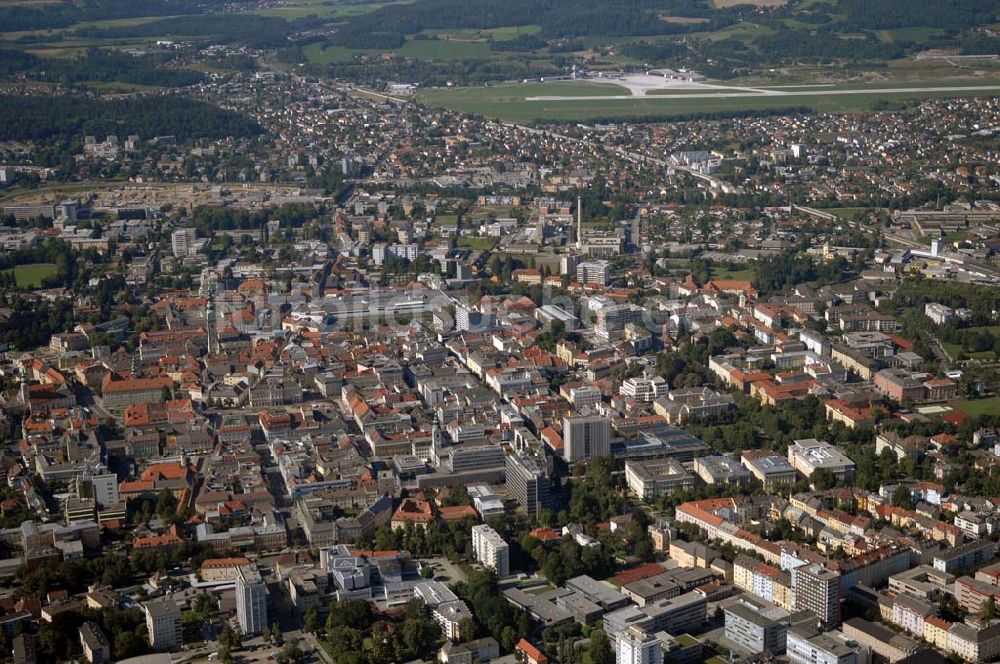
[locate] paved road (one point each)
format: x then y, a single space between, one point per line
632 156
939 351
445 570
310 643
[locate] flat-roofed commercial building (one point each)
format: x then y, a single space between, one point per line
809 455
756 626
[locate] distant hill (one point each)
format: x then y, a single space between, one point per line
389 26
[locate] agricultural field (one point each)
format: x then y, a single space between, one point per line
322 54
722 4
506 33
33 274
438 49
914 34
330 10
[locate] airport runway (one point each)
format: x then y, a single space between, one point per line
772 93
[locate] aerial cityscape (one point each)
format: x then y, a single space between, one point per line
513 332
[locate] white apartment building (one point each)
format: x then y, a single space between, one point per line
645 388
182 242
446 608
939 313
590 273
635 646
491 550
163 623
251 600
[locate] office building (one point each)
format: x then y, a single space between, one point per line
467 318
807 645
635 646
809 455
251 600
550 313
772 470
485 502
491 550
585 437
651 478
103 488
610 320
644 388
663 441
817 589
718 469
585 396
964 556
593 273
528 483
676 615
466 458
182 242
446 608
757 626
163 623
889 645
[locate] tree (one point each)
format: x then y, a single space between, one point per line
599 651
949 609
166 504
901 497
823 479
128 644
289 654
352 613
466 629
311 620
229 638
988 610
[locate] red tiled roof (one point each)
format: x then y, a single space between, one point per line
531 651
643 571
414 510
222 563
112 386
545 534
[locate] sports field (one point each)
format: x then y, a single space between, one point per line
476 243
979 406
31 275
